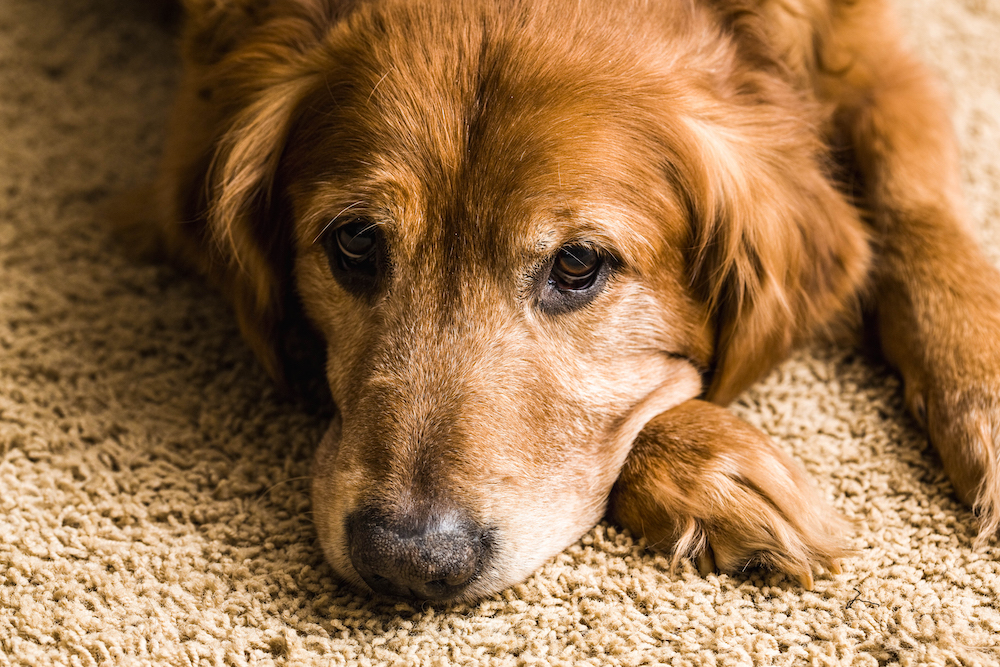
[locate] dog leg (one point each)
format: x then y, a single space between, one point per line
701 483
937 297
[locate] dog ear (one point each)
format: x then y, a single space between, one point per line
778 252
251 227
215 28
254 90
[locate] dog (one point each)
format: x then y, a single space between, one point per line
543 243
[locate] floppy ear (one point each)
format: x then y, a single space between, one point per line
250 227
777 251
246 76
215 28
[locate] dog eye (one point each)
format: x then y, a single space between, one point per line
575 268
577 274
356 242
353 250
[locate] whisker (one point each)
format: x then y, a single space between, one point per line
379 84
335 218
276 485
365 230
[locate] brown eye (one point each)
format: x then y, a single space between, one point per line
575 268
356 241
576 275
356 254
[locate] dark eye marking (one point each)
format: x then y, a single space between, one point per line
356 253
577 274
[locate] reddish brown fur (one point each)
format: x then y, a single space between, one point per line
691 140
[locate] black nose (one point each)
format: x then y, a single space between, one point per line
433 557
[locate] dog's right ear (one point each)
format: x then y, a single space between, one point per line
215 28
248 69
250 225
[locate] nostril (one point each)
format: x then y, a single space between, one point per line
454 580
436 558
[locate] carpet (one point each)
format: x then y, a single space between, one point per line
154 505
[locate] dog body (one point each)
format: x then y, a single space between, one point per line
543 242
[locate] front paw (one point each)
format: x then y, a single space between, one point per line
940 326
701 483
962 415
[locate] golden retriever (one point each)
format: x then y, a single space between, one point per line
543 242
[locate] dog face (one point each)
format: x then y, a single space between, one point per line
480 259
522 233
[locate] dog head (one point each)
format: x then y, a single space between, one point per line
522 231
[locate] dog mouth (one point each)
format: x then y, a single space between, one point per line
415 545
476 523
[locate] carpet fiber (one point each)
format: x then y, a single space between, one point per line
154 504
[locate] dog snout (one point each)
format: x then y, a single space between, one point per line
433 557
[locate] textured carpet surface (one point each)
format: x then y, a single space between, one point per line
154 504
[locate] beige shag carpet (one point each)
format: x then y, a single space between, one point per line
154 504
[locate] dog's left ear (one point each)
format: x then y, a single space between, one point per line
778 251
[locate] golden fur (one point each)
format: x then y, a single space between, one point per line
707 149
